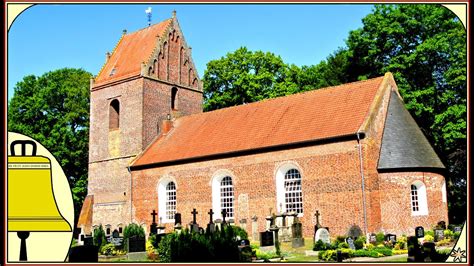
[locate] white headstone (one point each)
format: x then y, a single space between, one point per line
323 235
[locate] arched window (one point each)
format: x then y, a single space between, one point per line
223 195
114 114
289 189
443 192
227 196
293 193
174 96
167 199
170 200
419 205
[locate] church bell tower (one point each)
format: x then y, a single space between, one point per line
148 78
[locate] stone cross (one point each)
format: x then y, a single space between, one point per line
317 218
194 212
154 216
210 215
224 214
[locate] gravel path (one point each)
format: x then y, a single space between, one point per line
368 259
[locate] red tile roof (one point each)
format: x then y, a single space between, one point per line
85 217
132 49
319 114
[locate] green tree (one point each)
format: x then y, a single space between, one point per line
243 77
54 110
424 46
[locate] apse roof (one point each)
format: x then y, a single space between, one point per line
403 143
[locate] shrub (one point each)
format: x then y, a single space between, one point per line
369 246
266 256
132 230
399 251
359 243
448 233
443 242
99 237
379 238
429 233
456 235
402 242
429 238
150 249
186 246
240 232
320 245
343 245
108 249
383 250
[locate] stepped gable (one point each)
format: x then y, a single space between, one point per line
131 51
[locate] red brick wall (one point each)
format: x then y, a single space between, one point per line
330 179
395 202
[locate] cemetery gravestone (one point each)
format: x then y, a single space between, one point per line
254 228
211 227
115 238
350 242
457 229
354 232
391 237
372 238
297 239
419 232
266 239
323 235
439 234
414 250
153 226
194 226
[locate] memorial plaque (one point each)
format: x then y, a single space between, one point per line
419 232
350 242
323 235
266 239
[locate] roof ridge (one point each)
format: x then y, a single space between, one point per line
280 97
161 37
147 27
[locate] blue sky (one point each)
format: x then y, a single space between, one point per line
49 37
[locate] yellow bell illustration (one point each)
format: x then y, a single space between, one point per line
31 203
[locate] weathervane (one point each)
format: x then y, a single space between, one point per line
148 14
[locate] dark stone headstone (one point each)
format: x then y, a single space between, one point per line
297 239
135 244
391 237
81 237
429 252
84 254
350 242
266 239
115 233
117 241
419 232
415 253
159 237
354 232
177 218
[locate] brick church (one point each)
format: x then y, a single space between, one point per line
352 152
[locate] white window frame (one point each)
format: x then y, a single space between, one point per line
444 193
162 198
280 186
422 199
216 194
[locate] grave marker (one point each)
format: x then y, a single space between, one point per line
350 242
419 232
266 239
391 237
323 235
